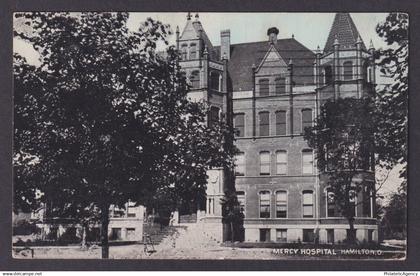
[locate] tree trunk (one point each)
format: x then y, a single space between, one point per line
232 232
84 233
104 231
351 237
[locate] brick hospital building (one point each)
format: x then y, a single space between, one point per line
274 89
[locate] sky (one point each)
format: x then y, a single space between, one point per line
310 29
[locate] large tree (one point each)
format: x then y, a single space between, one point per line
109 119
392 99
344 144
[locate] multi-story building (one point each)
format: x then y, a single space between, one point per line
273 89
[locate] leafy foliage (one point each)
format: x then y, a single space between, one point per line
392 100
344 142
394 220
106 117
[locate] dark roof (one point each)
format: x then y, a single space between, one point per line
244 55
344 29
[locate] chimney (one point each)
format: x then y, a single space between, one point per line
272 35
225 44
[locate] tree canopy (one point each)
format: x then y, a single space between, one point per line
106 117
344 142
392 100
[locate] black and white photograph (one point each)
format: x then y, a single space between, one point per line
210 135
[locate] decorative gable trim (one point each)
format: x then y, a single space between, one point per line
272 49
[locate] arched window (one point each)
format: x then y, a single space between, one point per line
264 163
306 118
369 74
328 74
281 123
307 161
195 79
240 164
264 87
348 70
368 200
280 86
264 123
353 202
264 204
184 49
193 51
308 204
330 200
281 162
239 124
214 81
281 204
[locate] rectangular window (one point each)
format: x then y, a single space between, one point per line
215 81
370 235
264 123
264 235
184 52
241 200
264 163
307 162
265 204
281 235
281 162
193 51
306 119
330 236
240 164
116 234
281 123
348 70
308 235
118 212
280 86
308 204
239 122
281 204
131 234
195 79
264 87
328 74
214 116
131 212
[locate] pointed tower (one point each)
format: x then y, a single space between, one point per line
346 69
346 66
206 72
344 30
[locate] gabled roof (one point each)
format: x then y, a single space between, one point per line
344 29
272 56
244 55
192 31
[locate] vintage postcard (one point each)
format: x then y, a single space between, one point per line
184 135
